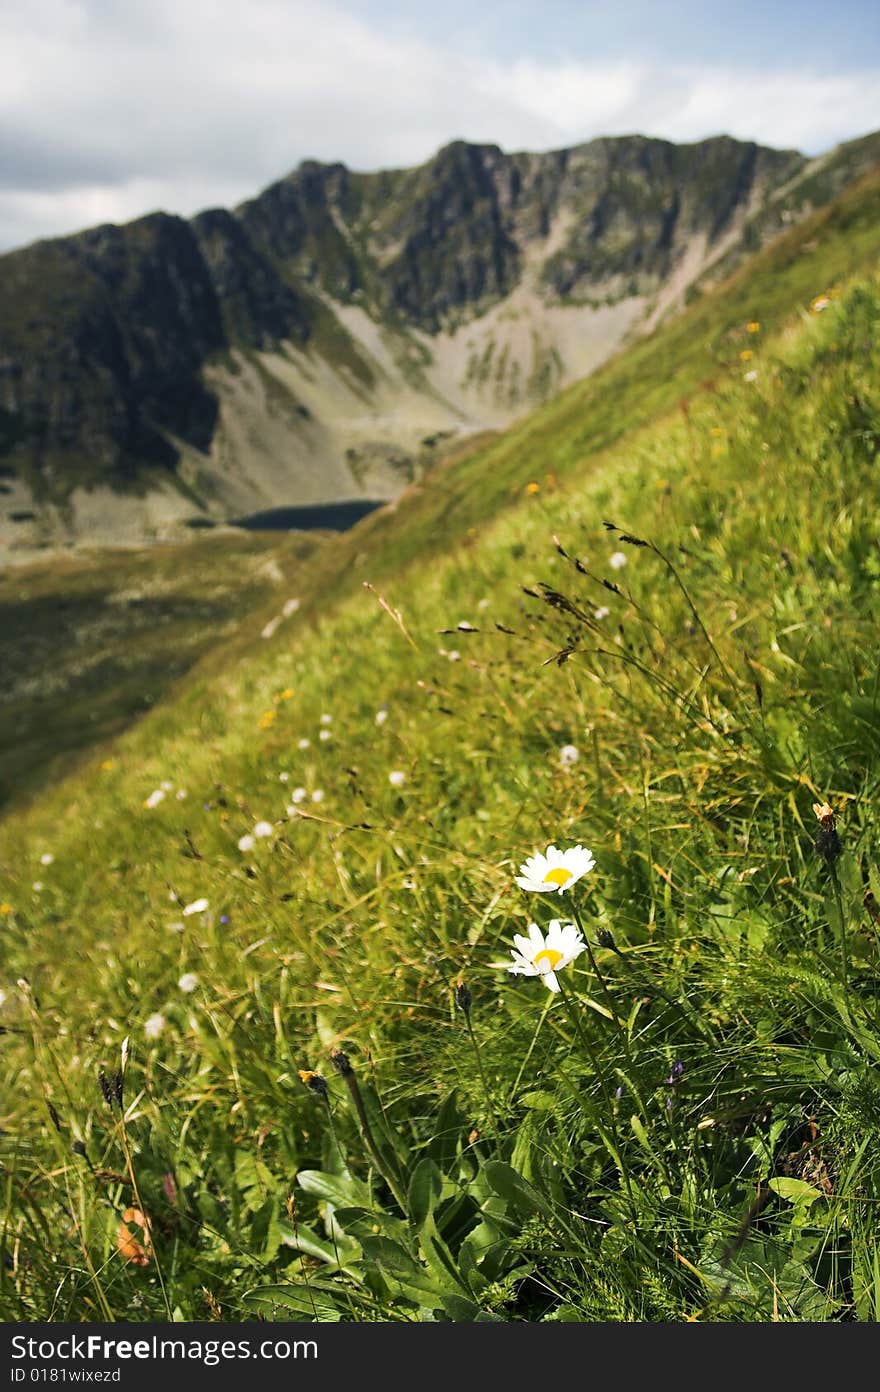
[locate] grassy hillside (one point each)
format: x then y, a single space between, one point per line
643 622
89 643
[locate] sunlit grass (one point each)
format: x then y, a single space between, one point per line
687 1130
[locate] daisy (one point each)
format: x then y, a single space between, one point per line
246 843
263 829
381 716
298 795
324 734
556 871
46 858
303 743
154 1026
544 957
326 719
602 612
397 778
188 982
318 795
617 561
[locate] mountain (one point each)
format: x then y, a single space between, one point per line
329 338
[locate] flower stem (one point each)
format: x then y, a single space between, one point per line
609 1103
485 1081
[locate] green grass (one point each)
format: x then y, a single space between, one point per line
90 644
690 1130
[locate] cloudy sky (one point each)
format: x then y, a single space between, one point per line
112 108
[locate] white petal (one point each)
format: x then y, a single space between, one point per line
550 981
522 945
536 938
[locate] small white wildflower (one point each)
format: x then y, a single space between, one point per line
298 795
536 955
602 612
318 795
197 906
397 778
2 997
180 794
283 777
246 842
303 743
290 607
326 719
270 627
483 604
381 717
568 756
38 886
263 829
750 376
154 1026
166 785
556 871
188 982
454 655
46 858
155 798
324 735
617 560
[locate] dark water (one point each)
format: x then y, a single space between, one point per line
333 517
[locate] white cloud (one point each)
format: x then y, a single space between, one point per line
108 110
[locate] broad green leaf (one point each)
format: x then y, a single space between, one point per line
305 1301
795 1191
425 1189
341 1190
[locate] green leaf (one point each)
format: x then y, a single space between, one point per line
522 1196
305 1301
341 1190
425 1189
306 1240
403 1271
795 1191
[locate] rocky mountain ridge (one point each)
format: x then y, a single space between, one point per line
325 339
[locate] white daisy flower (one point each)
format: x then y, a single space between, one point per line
318 795
326 719
381 717
298 795
568 756
397 778
154 1026
602 612
542 956
303 743
750 376
197 906
324 735
284 778
155 798
180 794
37 886
454 655
46 858
188 982
556 871
246 843
263 829
617 561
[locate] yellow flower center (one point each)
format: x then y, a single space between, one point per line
559 876
548 954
